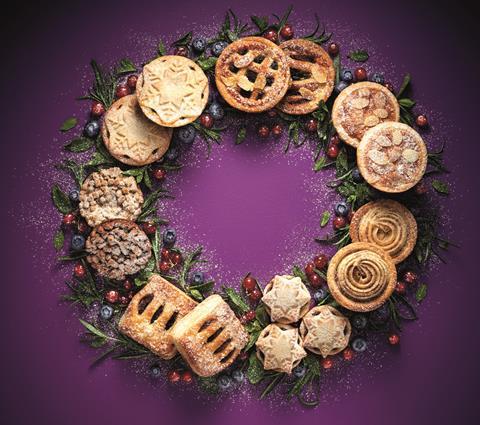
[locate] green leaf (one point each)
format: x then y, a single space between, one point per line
58 240
320 164
98 159
441 187
421 293
161 49
184 40
93 330
325 219
80 144
255 372
195 294
237 300
206 63
406 103
209 384
358 55
68 124
342 162
261 22
336 65
125 66
241 135
405 84
60 200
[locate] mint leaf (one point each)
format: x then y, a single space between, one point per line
68 124
60 200
358 55
58 240
241 135
421 293
125 66
406 103
405 84
80 144
237 300
255 372
161 49
440 187
325 219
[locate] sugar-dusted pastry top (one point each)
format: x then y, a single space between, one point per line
392 157
152 313
131 137
360 107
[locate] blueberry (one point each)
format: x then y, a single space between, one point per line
342 85
346 75
216 111
341 209
238 376
320 294
186 134
169 237
377 78
380 315
172 154
92 129
359 321
106 312
199 45
74 195
78 242
198 278
299 371
155 371
359 345
218 47
224 382
356 176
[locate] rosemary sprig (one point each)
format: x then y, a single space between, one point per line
232 29
318 35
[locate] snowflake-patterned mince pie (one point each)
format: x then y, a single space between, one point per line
152 313
252 74
279 348
210 337
286 299
360 107
132 138
392 157
172 91
325 331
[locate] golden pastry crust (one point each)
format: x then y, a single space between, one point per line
132 138
108 194
312 77
151 314
361 276
286 299
392 157
252 74
325 331
172 91
361 106
387 224
210 337
279 348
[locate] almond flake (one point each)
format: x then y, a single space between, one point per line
319 74
245 84
229 81
243 61
260 82
397 137
381 113
364 92
379 100
410 155
378 157
307 94
394 154
360 102
371 121
383 141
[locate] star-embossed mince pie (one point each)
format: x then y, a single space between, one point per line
286 299
279 348
325 331
252 74
312 77
210 337
132 138
387 224
152 313
360 107
392 157
361 276
172 91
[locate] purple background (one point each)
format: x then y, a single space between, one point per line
254 210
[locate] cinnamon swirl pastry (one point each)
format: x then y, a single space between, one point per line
361 276
387 224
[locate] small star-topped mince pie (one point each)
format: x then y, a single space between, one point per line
361 276
152 313
172 91
360 107
132 138
210 337
279 348
392 157
312 77
325 331
252 74
286 299
387 224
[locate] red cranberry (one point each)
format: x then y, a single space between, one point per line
421 188
68 219
159 174
335 140
277 130
181 51
249 316
327 363
400 288
271 35
176 258
97 109
394 339
164 266
347 354
173 376
315 280
311 125
333 151
410 277
263 131
149 228
112 296
122 90
206 120
249 283
320 261
310 268
187 377
333 49
287 32
130 295
132 81
123 300
360 74
339 222
165 254
255 295
421 120
79 271
127 285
